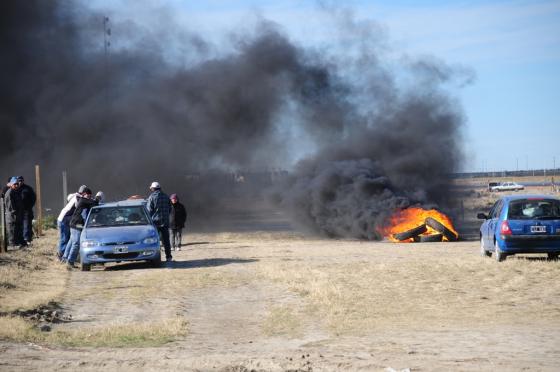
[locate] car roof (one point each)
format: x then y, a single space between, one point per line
124 203
529 196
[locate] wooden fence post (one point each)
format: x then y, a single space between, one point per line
3 235
38 204
64 189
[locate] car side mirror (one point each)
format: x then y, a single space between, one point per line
482 216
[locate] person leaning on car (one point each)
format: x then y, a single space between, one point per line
63 224
84 203
158 206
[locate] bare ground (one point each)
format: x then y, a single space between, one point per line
277 301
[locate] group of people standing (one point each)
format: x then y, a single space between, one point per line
19 200
167 213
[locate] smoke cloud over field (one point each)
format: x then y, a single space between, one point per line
377 134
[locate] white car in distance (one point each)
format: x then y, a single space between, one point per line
507 186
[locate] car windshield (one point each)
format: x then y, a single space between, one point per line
538 209
117 216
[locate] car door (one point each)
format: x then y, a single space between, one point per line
485 226
493 222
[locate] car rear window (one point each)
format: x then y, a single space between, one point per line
524 209
117 216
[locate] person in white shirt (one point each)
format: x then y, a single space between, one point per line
63 221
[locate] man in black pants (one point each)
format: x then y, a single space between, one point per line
28 199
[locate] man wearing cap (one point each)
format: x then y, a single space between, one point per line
63 223
28 199
14 213
158 206
84 203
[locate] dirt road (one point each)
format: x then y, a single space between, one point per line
278 302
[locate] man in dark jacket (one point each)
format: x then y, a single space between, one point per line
28 198
158 206
177 219
84 203
14 213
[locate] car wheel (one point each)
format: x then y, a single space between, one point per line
552 256
484 252
156 262
439 227
85 267
500 256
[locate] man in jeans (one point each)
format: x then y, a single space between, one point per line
158 206
84 203
63 223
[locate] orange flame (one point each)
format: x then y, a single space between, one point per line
410 218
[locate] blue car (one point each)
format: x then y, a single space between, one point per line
117 232
521 224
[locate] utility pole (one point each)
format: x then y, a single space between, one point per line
106 46
106 35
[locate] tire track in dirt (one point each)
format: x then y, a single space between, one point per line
104 296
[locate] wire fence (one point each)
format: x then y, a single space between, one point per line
516 173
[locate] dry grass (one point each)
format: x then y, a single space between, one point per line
110 335
356 298
283 321
142 334
31 277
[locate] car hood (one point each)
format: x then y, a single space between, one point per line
119 234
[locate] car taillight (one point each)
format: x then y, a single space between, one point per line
504 229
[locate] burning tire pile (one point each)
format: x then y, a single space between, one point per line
420 226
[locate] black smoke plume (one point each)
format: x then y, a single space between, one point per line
120 119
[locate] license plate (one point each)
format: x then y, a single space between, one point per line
120 249
538 229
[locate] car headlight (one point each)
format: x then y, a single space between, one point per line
150 240
90 243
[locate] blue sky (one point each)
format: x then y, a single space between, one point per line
513 105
